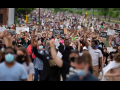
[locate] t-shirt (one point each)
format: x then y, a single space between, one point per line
30 68
95 54
15 73
66 66
89 77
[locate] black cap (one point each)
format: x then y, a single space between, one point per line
74 51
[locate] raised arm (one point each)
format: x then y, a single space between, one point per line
57 60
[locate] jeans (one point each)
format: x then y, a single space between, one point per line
37 72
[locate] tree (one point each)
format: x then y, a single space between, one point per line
110 13
23 10
116 14
104 12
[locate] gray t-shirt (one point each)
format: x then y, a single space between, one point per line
30 68
15 73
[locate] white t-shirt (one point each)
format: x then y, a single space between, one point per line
95 54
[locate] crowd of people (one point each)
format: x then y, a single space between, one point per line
78 55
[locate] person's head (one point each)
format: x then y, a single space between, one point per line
66 42
117 57
94 44
73 55
82 66
105 50
22 56
9 55
87 55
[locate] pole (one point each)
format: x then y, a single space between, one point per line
26 14
14 17
93 12
39 18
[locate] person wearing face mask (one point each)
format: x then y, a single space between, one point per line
96 55
50 70
66 67
10 70
38 63
24 59
82 71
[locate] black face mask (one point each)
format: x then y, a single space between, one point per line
72 59
19 58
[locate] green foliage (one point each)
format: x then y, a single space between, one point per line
116 14
23 10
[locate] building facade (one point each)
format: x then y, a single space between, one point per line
7 16
4 16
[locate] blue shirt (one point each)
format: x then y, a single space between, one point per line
15 73
89 77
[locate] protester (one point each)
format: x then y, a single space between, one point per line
82 71
24 59
10 70
112 69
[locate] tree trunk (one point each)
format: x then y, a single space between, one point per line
105 17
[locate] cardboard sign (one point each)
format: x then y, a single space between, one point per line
73 31
103 34
65 30
58 32
85 28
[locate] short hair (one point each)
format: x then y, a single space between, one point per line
66 40
81 59
95 42
9 48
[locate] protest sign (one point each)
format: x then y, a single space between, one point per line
18 29
58 32
65 30
2 29
26 29
110 32
73 32
103 34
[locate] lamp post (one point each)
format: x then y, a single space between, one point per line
86 17
93 12
26 15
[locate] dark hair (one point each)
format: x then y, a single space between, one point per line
95 42
9 48
81 59
66 40
27 58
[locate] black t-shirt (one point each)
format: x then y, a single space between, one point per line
102 44
112 54
105 55
65 68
